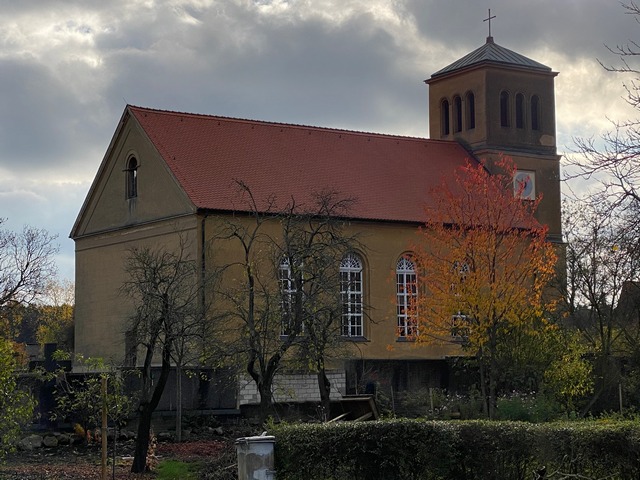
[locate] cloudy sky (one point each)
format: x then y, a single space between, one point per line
69 67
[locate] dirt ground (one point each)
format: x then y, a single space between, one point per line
84 461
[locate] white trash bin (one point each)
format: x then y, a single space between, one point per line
256 458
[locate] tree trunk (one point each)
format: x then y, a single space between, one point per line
325 393
266 400
142 440
178 403
483 384
147 408
492 389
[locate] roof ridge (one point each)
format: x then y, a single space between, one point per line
281 124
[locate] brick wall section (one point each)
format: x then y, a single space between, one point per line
293 387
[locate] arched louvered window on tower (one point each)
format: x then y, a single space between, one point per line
132 177
504 109
444 112
351 292
470 102
535 112
519 110
457 114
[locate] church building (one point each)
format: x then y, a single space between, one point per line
169 175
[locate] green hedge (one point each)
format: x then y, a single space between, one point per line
460 450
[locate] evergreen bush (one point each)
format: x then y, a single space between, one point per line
457 450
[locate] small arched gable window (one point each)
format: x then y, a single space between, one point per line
444 112
519 110
535 113
132 178
351 292
504 109
457 114
471 110
406 296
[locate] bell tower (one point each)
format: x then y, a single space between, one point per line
497 102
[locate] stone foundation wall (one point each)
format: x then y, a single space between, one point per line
293 387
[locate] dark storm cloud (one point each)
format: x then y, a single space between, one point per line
305 72
68 68
576 28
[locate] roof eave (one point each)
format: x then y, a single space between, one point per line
489 64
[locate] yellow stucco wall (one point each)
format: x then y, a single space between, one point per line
102 311
381 245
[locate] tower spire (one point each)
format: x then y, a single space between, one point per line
488 19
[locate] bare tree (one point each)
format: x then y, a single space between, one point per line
26 265
313 243
286 292
167 287
612 159
604 231
602 257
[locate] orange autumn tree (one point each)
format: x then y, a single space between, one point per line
482 263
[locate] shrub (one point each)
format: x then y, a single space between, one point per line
528 407
461 450
16 405
437 404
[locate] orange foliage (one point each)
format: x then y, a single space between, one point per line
483 260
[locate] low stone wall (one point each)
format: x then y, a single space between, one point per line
293 387
54 439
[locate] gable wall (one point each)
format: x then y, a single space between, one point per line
159 195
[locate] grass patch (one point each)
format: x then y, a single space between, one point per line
177 470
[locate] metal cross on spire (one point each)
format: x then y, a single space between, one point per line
489 20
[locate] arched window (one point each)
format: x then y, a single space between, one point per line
535 113
444 110
132 178
460 272
519 110
287 294
457 114
504 109
471 110
351 295
406 296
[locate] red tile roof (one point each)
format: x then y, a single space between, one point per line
389 176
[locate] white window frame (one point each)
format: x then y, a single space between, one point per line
459 327
351 295
406 297
287 292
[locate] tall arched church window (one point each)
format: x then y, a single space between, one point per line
504 109
406 296
457 114
519 110
287 294
446 125
535 113
351 291
132 178
471 110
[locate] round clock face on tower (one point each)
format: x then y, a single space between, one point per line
524 184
